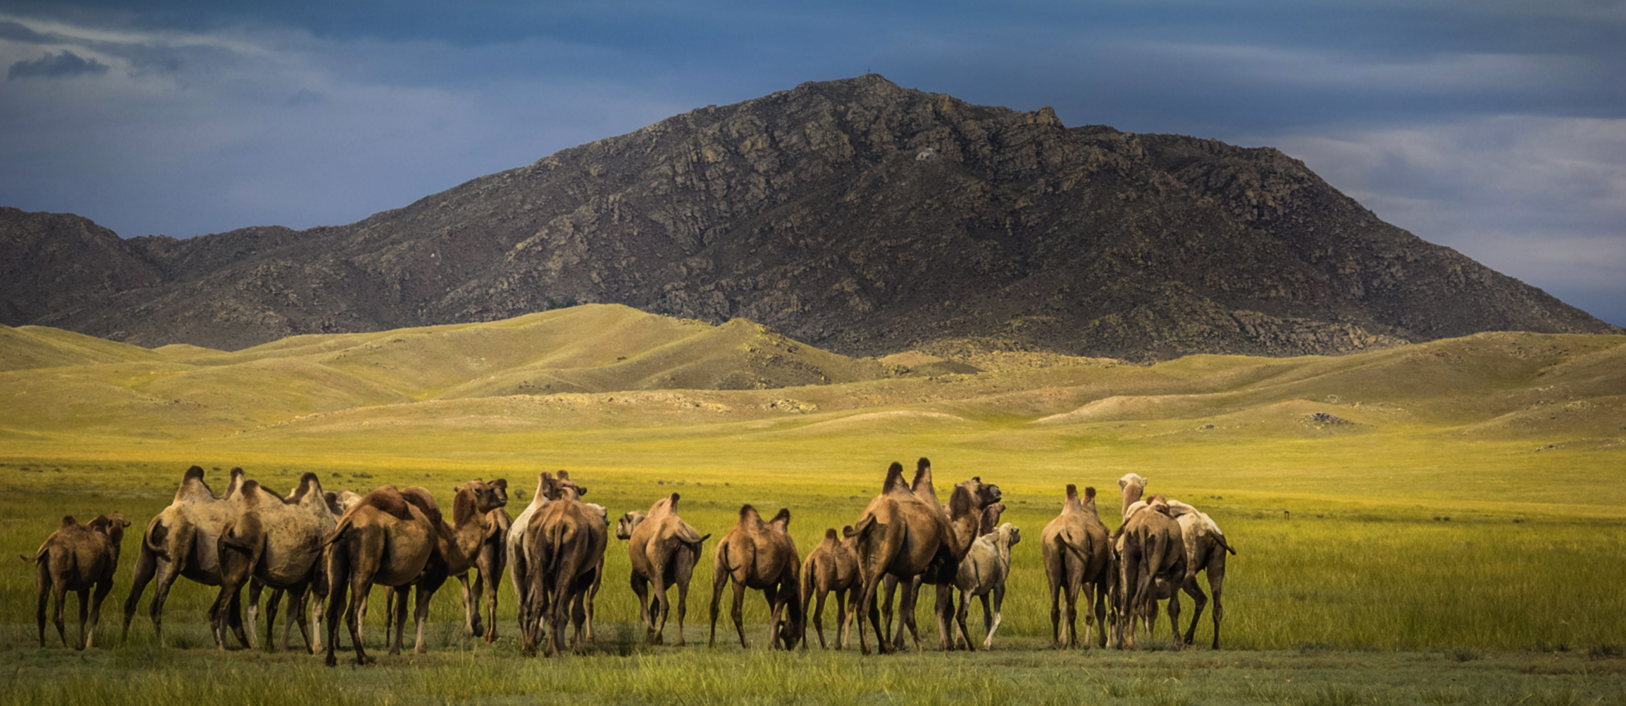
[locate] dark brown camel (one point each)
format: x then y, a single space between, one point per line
1077 556
1152 567
458 549
832 567
78 558
516 550
760 555
183 540
385 539
663 550
566 559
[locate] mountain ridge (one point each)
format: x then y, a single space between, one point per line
854 215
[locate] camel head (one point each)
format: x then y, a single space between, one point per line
557 488
1009 535
990 518
982 494
487 496
112 525
628 523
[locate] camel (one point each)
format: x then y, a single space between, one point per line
832 567
760 555
338 503
905 532
1206 548
516 549
387 538
982 574
566 560
277 542
459 548
1152 567
663 549
491 561
183 540
78 558
1077 556
989 523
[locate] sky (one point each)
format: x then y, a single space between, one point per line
1495 127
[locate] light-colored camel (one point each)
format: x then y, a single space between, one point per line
832 567
565 559
760 555
1206 548
385 539
959 526
515 545
982 575
663 550
1077 557
338 503
78 558
1152 567
458 546
183 540
276 542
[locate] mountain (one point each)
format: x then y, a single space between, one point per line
855 215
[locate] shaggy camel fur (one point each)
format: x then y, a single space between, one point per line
760 555
183 540
386 539
277 542
663 550
458 546
78 558
982 574
1077 556
338 503
832 567
901 533
1205 553
515 547
1152 567
566 559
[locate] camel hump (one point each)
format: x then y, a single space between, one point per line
1089 492
424 501
193 473
674 500
1072 492
747 512
68 521
307 482
922 464
894 478
781 518
830 534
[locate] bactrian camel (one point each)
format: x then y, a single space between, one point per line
760 555
1077 554
832 567
982 575
82 559
276 542
1152 567
458 546
663 550
183 540
385 539
566 559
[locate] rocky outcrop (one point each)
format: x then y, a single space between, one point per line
854 215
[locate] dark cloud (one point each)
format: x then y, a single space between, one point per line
63 65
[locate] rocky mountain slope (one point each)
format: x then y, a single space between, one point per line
854 215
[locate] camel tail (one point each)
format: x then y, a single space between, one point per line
1220 539
155 534
345 524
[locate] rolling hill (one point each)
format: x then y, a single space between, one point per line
856 215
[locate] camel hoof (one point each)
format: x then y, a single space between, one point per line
331 661
365 662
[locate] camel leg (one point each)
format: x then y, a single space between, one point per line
771 595
659 621
847 607
718 579
146 566
421 616
160 594
490 578
946 627
102 589
471 607
889 585
963 606
234 618
391 610
990 623
253 612
476 586
42 580
683 607
395 601
84 615
1216 585
60 593
1174 619
737 612
640 588
1199 601
337 576
1056 636
818 615
1070 596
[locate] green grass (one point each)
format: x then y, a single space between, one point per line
1457 541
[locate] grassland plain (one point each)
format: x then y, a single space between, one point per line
1441 523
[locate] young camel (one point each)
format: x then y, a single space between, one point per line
1152 567
1077 556
78 558
386 539
183 540
982 574
832 567
457 549
760 555
276 542
566 559
663 550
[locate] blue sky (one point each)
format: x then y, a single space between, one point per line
1492 126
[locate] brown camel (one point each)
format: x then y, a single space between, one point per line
663 550
459 547
1206 548
515 544
78 558
183 540
565 560
276 542
907 534
1152 567
491 562
832 567
1077 556
760 555
387 539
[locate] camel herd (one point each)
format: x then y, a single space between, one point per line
316 547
